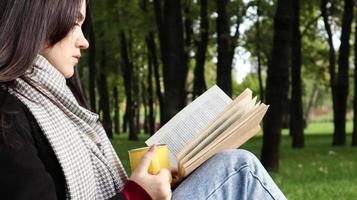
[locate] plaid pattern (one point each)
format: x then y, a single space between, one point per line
91 167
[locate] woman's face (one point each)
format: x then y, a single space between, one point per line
65 54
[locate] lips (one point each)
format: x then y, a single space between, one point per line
77 57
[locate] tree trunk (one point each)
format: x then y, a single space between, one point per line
258 40
312 102
175 69
341 89
188 31
151 118
136 97
91 62
152 50
127 68
145 103
332 57
354 134
116 111
224 65
125 119
199 84
277 85
104 98
296 114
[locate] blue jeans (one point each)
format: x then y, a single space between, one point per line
232 174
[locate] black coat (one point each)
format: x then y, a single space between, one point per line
29 168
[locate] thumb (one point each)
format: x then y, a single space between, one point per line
146 159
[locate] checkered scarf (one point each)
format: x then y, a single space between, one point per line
91 167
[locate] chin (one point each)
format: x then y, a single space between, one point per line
68 74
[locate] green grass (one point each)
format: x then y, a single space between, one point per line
318 171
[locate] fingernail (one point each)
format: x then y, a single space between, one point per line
152 147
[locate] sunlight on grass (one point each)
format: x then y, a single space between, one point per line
318 171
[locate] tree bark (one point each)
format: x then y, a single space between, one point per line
127 68
104 98
199 84
296 114
151 118
152 50
145 103
91 62
188 37
116 111
312 102
175 69
224 65
136 87
258 40
277 85
354 134
331 55
341 89
332 59
151 53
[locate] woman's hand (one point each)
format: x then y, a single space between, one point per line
157 186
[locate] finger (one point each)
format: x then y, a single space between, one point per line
165 174
144 162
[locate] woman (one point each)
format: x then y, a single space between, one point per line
52 147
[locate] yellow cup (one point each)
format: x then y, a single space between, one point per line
159 161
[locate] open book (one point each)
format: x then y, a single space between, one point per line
208 125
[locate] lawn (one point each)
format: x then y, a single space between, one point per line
317 171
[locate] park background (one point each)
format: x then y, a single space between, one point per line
149 58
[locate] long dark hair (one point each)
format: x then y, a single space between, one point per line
26 27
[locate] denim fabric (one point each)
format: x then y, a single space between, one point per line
232 174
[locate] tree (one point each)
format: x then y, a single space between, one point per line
341 89
354 133
199 85
150 42
296 111
149 99
116 111
331 55
224 65
92 65
170 27
151 117
104 106
277 84
127 68
258 41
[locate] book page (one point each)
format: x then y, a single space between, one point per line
235 136
216 125
190 121
230 116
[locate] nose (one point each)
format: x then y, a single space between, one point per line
82 42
